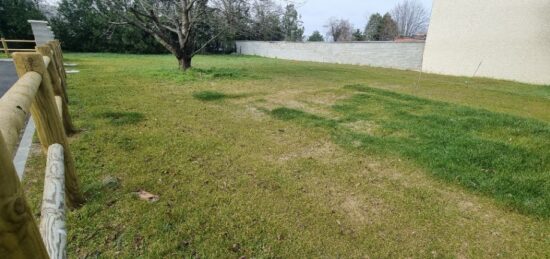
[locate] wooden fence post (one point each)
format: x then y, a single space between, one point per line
56 46
52 221
5 46
19 235
59 103
48 122
58 88
58 60
55 61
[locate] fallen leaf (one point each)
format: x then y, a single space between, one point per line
235 248
147 196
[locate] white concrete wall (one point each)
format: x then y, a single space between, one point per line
509 38
42 32
379 54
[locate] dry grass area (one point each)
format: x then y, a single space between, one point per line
267 158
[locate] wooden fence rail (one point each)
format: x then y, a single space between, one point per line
41 92
7 50
52 220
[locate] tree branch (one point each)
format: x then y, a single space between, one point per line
206 44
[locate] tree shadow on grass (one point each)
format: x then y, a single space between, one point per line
123 118
218 73
209 96
500 155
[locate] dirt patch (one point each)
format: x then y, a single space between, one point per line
367 127
354 210
36 149
322 151
468 206
255 113
314 102
251 112
327 98
361 211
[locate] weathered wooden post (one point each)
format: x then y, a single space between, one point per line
5 46
52 221
19 235
55 61
48 122
59 104
58 87
57 49
58 60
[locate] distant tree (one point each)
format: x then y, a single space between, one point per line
381 28
178 25
358 36
237 14
339 29
266 21
374 27
411 17
389 28
316 36
81 28
209 27
13 18
292 26
47 7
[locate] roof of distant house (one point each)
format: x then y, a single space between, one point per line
408 39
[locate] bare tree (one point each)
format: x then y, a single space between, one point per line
266 20
411 17
170 22
339 29
237 15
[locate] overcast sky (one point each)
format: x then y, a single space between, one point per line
315 13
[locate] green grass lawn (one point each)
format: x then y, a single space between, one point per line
263 158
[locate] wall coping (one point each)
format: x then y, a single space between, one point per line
347 42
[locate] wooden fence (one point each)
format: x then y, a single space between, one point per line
7 50
41 92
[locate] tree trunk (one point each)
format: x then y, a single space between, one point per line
184 63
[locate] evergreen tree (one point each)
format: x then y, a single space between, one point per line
81 28
381 28
13 18
374 28
292 26
358 35
389 28
316 36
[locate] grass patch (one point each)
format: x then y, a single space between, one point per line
449 140
338 173
195 74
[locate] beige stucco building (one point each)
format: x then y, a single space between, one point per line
505 39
